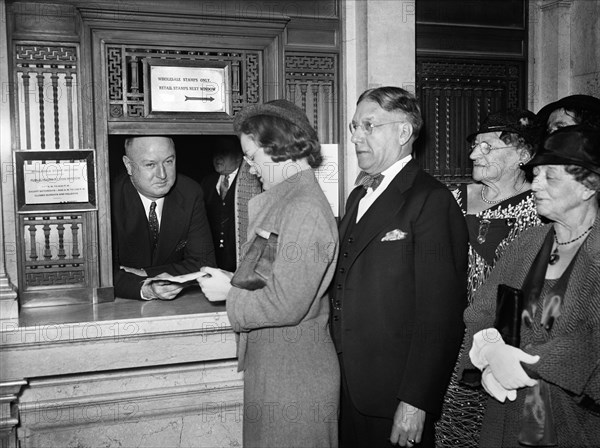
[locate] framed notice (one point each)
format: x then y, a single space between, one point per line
186 87
55 180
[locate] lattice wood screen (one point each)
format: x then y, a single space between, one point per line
126 76
46 77
58 249
311 84
455 96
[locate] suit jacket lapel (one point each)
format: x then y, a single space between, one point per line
351 207
387 205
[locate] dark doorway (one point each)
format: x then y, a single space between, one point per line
194 153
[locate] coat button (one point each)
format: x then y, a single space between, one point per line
342 270
345 254
336 318
338 303
351 240
339 286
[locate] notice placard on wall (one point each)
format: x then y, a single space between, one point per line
55 180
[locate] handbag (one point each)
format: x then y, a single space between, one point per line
509 308
256 266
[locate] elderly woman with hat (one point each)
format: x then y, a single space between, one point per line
569 111
276 300
546 389
497 207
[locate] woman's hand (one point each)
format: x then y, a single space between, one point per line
505 364
215 283
504 361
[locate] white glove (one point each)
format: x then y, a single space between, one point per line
493 387
504 361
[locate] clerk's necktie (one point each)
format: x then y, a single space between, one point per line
153 223
366 180
224 186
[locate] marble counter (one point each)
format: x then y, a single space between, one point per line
113 373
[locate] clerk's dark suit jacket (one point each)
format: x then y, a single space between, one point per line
221 216
397 305
184 243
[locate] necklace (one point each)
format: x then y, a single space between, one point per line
554 257
487 201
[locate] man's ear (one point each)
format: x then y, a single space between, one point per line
128 165
406 132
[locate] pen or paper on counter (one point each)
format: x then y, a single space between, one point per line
184 279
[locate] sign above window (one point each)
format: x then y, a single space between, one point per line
181 86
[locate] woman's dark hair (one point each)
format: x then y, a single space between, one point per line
283 140
584 116
585 177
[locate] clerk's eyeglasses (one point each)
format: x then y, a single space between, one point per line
367 126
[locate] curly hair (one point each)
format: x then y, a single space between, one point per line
519 142
283 140
585 177
396 99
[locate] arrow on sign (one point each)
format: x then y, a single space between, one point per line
198 98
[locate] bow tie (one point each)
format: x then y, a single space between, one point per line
366 180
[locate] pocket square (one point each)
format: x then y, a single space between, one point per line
394 235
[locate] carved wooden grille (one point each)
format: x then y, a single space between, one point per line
46 77
455 96
310 84
54 250
126 76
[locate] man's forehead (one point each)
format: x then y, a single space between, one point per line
367 110
151 148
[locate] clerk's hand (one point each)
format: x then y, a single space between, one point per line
215 283
160 290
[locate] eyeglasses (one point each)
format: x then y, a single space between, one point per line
367 126
486 148
249 158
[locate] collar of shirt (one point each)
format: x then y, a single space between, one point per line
388 175
148 202
230 176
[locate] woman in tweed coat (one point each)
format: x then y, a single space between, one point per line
279 305
547 392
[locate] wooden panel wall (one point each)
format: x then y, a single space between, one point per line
471 61
78 68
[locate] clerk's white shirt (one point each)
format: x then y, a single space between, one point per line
230 178
148 202
372 195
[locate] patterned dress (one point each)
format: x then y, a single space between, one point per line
490 232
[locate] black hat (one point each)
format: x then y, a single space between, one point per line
517 121
572 102
571 145
283 109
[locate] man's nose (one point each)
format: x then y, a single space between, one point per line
162 171
355 135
